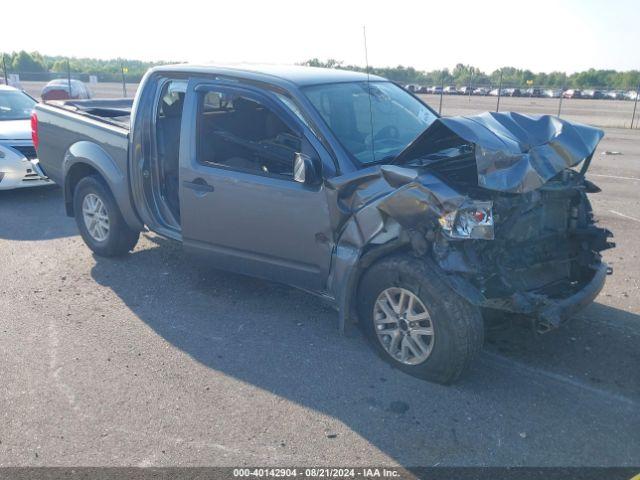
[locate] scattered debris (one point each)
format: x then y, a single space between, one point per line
611 152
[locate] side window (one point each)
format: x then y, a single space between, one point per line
241 133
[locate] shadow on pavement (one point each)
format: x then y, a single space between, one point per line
25 214
286 342
598 347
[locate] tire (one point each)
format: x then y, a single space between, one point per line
120 238
457 326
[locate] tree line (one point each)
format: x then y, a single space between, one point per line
460 75
34 63
469 75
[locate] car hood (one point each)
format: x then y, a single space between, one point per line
15 130
514 153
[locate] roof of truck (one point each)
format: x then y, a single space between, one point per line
299 75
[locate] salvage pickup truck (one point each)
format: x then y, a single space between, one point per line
347 186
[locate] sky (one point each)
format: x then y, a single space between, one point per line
541 35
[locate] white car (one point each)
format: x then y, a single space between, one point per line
631 95
18 160
552 93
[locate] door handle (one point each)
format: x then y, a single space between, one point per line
199 185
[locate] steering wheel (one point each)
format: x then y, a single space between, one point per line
390 132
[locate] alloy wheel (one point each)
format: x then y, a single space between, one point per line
403 326
95 217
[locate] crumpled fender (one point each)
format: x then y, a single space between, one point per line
370 203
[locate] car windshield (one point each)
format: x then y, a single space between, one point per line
15 105
373 121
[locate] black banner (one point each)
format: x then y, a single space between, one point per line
397 473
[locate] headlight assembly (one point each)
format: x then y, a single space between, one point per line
474 220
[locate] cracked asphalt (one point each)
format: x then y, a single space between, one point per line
156 359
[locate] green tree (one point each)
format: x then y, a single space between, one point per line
25 62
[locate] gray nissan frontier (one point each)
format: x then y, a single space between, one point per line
347 186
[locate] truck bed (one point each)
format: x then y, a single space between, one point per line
114 111
76 129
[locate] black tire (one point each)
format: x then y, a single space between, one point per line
457 325
120 239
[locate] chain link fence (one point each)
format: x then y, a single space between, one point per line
603 106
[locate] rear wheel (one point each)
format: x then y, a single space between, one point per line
416 322
99 219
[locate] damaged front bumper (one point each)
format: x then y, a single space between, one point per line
545 262
557 311
547 313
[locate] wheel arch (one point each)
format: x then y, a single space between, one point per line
369 256
402 244
76 172
85 158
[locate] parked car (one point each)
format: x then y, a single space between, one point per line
481 91
435 89
58 89
450 90
465 90
615 95
631 95
592 94
533 92
552 93
495 92
18 163
404 229
413 88
572 93
512 92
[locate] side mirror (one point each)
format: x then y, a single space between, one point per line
306 169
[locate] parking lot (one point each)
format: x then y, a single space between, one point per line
602 112
156 359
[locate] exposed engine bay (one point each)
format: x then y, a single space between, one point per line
494 202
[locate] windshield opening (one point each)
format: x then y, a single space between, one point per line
15 105
374 121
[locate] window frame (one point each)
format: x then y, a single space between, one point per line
283 114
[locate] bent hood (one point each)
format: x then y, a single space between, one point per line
15 130
514 153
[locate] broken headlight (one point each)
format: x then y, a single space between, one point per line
472 220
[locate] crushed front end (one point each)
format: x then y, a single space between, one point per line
525 238
496 200
543 256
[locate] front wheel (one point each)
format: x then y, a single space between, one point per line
416 322
99 219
